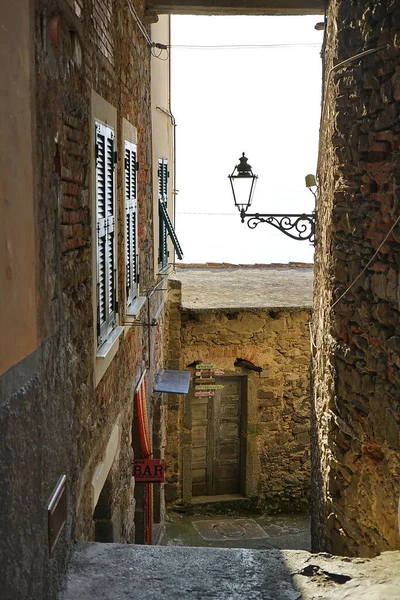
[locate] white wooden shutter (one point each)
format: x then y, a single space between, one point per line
163 199
131 212
105 232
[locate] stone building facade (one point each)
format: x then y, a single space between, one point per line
356 332
79 328
258 343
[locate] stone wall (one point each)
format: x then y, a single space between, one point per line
53 419
278 403
356 314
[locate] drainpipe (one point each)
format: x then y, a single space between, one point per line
339 65
172 120
167 111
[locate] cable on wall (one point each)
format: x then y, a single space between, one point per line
343 63
152 45
367 265
317 345
139 23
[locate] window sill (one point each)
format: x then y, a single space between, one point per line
107 347
106 353
166 270
135 307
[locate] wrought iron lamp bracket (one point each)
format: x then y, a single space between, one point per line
300 227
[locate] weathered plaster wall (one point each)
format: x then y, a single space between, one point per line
17 228
52 418
163 137
278 441
356 332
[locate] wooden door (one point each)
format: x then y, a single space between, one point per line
201 411
216 440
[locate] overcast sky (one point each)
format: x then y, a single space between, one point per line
264 102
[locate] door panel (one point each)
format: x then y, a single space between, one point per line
199 446
216 440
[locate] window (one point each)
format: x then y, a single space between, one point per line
165 224
105 231
163 200
131 246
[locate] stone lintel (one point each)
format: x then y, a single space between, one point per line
247 309
237 7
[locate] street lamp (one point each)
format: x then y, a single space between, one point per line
243 183
300 227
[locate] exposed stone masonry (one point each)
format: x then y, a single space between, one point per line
55 421
278 425
356 337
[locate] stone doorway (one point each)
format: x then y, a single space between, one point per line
106 526
217 465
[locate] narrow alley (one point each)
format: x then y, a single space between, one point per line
197 431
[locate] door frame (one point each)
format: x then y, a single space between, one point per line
248 464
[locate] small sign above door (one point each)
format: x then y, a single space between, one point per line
212 386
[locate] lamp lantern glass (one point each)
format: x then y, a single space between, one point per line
243 183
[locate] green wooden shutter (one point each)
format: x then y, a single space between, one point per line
163 200
105 232
131 245
170 228
165 224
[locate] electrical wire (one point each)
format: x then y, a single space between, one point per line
368 263
242 46
342 64
317 346
161 47
139 23
160 52
208 213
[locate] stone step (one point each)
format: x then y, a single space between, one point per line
127 572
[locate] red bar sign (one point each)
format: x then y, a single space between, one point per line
148 470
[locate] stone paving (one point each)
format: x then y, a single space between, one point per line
232 531
128 572
229 557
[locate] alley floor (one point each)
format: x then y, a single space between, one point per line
219 552
237 531
128 572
